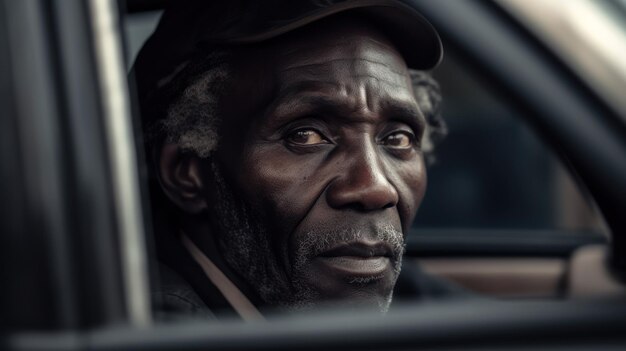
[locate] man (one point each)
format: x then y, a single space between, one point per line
287 142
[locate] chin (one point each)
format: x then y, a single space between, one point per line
332 284
362 301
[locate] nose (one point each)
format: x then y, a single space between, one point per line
362 184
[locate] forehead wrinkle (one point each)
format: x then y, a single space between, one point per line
379 80
360 106
362 93
344 75
328 63
298 93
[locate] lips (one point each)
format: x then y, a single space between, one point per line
358 261
359 249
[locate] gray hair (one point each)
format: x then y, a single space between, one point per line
192 119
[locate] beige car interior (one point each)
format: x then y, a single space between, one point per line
584 275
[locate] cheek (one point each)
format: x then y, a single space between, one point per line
283 186
411 186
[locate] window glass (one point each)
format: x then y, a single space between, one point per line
137 28
492 170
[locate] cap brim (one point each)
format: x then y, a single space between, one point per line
415 38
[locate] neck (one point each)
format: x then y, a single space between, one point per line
202 235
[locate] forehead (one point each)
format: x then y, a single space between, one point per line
345 58
359 58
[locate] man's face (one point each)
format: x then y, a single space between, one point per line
322 144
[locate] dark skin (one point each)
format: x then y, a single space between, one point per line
322 132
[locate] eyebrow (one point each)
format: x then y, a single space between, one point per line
301 100
406 113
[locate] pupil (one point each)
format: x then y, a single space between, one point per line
302 136
398 140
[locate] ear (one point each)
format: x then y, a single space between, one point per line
181 178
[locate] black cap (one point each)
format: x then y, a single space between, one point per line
188 25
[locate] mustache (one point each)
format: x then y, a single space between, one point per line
317 241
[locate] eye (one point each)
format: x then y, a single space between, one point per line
399 140
306 137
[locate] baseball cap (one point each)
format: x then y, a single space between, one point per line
188 26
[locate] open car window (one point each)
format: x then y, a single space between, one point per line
499 194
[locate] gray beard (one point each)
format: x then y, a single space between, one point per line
245 244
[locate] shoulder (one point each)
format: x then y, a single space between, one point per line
175 299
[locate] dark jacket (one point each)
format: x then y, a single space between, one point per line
176 298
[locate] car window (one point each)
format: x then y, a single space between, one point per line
137 27
495 186
493 170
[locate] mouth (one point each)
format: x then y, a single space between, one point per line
358 262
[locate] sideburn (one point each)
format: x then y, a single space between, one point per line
244 242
